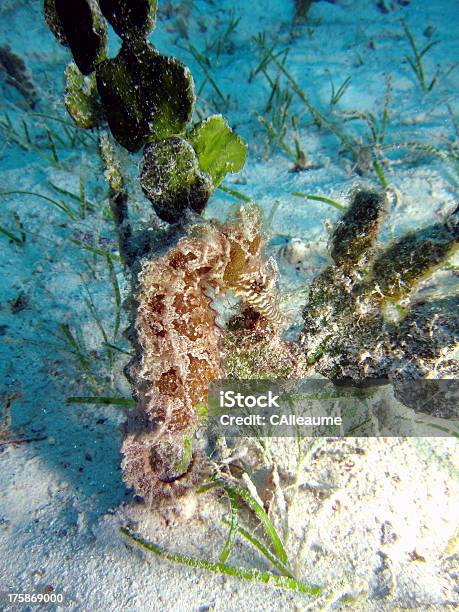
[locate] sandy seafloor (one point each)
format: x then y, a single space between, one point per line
375 518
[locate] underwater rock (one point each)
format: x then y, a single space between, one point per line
438 398
146 95
133 19
415 255
346 333
427 340
356 232
79 25
172 180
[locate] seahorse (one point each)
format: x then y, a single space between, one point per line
179 343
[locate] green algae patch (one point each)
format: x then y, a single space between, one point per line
218 148
133 19
82 98
147 96
79 25
172 180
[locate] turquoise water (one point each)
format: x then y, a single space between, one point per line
325 106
